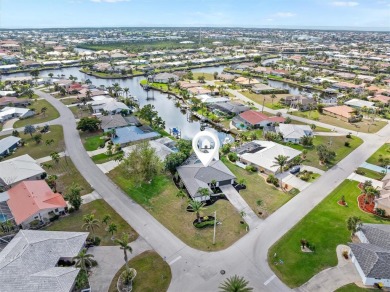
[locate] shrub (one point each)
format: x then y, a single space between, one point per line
347 144
345 254
204 224
233 157
93 240
273 180
250 168
348 136
380 212
359 171
54 218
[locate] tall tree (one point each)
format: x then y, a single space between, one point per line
196 206
29 129
281 161
73 196
90 223
84 260
354 224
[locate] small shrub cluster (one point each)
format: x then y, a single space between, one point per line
271 179
305 175
233 157
250 168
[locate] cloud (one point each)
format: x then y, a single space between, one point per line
109 1
345 3
284 14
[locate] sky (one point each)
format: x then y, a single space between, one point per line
232 13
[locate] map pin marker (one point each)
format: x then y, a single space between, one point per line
206 154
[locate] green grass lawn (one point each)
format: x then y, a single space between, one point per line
67 174
335 143
207 76
51 114
103 157
353 288
159 199
273 103
325 228
383 152
91 141
153 273
68 101
74 221
42 149
362 126
258 189
371 173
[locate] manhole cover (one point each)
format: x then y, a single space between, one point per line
223 272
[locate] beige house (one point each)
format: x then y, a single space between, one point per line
383 201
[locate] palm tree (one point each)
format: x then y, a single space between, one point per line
181 194
84 260
106 219
213 184
354 224
55 157
197 206
123 243
273 96
112 228
90 223
281 161
126 90
235 284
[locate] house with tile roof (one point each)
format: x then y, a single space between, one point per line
255 119
34 200
29 262
20 168
371 256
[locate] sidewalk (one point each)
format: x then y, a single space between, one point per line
48 158
360 178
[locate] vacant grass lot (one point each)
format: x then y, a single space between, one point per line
207 76
371 173
325 228
273 103
67 174
363 126
68 101
335 144
258 189
159 198
42 149
50 114
74 221
153 273
383 152
80 112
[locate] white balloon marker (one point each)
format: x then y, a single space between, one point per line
206 157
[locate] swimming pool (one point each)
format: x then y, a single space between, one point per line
3 218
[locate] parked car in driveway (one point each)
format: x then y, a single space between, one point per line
296 169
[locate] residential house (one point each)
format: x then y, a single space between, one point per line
102 103
13 101
111 122
8 144
18 169
165 78
262 88
383 201
247 82
226 77
230 108
381 98
300 102
359 103
34 201
194 175
342 112
14 112
255 119
131 134
371 256
294 133
261 154
30 261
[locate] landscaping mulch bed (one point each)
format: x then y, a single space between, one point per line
370 208
341 203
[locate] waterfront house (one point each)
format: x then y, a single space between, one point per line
132 134
229 108
262 88
342 112
111 122
255 119
165 78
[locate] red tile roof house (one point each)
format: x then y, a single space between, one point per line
342 112
34 200
255 119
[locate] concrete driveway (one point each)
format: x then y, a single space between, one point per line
292 180
9 124
110 259
333 278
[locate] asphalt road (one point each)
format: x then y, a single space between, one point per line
194 270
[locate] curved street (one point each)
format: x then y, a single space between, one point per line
194 270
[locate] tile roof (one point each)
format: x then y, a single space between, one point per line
256 117
342 110
30 197
28 262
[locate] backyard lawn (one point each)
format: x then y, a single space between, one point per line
50 114
363 126
42 149
325 228
159 199
258 189
153 273
67 174
335 143
383 152
74 221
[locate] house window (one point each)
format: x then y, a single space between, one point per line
56 210
36 217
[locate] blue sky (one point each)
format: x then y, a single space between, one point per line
248 13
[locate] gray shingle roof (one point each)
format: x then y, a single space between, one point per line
195 175
28 262
377 234
112 122
8 142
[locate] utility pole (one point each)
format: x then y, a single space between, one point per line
215 225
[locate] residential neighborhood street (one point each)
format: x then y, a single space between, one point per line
194 270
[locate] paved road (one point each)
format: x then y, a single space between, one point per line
194 270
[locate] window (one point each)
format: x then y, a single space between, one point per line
56 210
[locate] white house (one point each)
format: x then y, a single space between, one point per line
102 103
372 255
293 133
165 78
14 112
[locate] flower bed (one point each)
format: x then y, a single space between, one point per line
369 208
205 222
341 203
